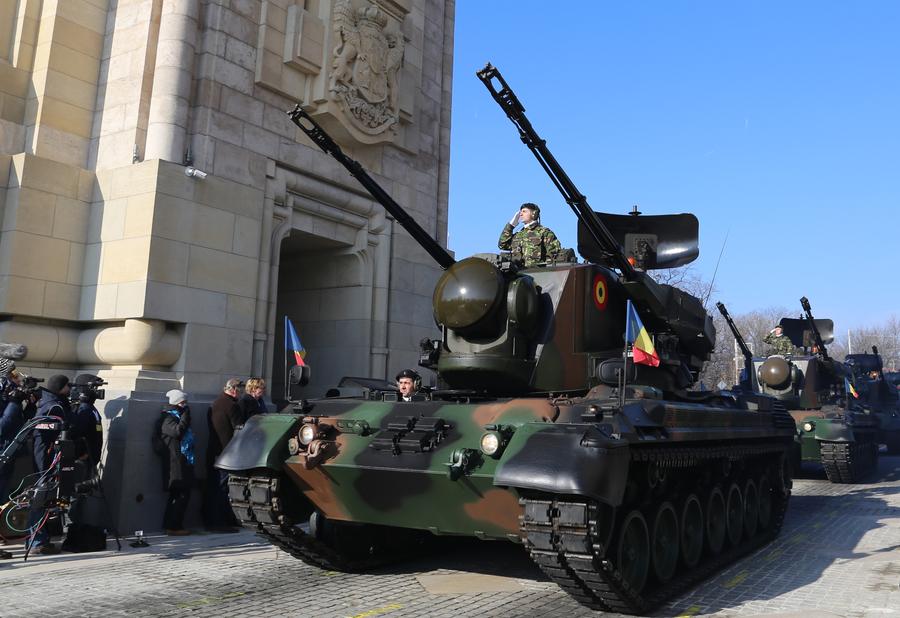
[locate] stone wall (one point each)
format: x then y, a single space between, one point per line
114 260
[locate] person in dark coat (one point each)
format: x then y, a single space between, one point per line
223 417
18 408
252 402
54 402
87 424
178 466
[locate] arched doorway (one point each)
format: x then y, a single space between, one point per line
324 287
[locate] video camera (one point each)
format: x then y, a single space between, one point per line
74 478
86 389
30 386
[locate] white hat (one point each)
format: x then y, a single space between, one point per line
176 396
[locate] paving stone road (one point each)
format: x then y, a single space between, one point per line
838 555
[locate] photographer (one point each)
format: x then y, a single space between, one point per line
19 407
86 433
87 423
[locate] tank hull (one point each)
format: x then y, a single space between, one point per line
844 443
383 475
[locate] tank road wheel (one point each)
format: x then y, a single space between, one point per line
634 551
691 531
764 512
751 508
734 509
716 525
665 542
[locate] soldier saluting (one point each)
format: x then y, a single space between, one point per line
780 342
534 243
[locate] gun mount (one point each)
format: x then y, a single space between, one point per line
678 319
814 328
745 349
324 141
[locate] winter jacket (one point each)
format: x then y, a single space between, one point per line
178 467
51 404
88 430
222 417
251 406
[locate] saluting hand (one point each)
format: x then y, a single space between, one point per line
515 220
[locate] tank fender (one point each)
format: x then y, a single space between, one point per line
261 443
829 430
566 459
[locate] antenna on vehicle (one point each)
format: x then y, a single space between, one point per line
716 271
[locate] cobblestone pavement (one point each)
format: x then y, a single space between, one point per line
838 555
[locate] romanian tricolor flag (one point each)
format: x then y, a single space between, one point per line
642 346
849 386
292 342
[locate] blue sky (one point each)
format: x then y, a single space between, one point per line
775 123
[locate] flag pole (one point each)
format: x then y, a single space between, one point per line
287 387
624 380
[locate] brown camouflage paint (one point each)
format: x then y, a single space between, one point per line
499 507
318 487
488 414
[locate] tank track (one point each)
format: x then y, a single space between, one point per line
847 462
562 537
257 503
892 440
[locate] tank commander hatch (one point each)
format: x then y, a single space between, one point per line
534 243
779 342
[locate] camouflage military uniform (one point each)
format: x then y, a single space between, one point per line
781 344
533 243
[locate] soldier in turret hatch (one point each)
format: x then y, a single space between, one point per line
534 243
408 383
780 342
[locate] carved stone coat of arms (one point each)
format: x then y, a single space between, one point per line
367 58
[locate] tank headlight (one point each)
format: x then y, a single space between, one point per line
808 426
490 443
307 434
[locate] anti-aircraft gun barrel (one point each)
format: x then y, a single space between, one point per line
880 363
745 349
804 302
324 141
506 98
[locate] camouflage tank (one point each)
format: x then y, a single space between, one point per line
831 428
877 396
623 486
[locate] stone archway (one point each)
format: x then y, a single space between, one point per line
323 288
330 274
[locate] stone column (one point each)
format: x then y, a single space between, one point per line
169 104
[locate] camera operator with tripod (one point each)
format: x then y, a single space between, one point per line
86 433
54 403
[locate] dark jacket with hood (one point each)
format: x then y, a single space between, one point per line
50 404
178 466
